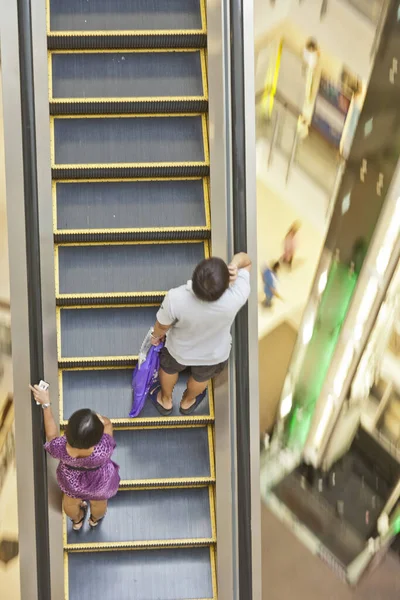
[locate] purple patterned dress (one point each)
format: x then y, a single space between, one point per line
94 477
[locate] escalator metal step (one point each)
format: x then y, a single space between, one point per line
123 205
103 332
109 392
151 517
164 455
128 81
125 15
93 273
173 574
129 146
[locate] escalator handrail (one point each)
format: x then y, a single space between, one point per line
34 289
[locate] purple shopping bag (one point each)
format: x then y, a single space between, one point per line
144 376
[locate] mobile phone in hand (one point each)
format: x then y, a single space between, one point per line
42 385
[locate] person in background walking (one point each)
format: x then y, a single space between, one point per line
270 279
86 473
196 319
290 244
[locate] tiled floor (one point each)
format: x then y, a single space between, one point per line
274 218
290 571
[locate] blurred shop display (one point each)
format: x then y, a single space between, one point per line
331 108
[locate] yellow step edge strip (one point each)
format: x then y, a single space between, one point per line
66 576
93 368
183 228
213 563
126 99
130 243
128 180
141 545
166 483
203 15
62 166
108 295
127 51
126 427
131 116
213 519
210 433
123 32
207 206
128 486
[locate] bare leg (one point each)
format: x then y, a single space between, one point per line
98 509
168 383
73 508
193 389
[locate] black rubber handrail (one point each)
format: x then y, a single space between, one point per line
34 289
241 325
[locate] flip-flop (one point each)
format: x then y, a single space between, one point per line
94 522
83 508
153 395
196 403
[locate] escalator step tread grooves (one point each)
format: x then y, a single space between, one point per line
138 423
82 363
109 392
127 484
122 41
162 515
118 172
145 576
78 237
98 300
128 107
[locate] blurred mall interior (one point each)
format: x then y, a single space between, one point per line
136 138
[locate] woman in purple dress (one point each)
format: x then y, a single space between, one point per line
86 473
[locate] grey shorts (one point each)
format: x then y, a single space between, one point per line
201 374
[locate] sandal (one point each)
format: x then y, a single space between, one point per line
153 396
77 525
199 399
94 522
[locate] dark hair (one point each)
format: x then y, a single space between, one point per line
276 266
210 279
311 44
84 429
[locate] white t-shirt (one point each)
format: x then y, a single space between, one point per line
200 334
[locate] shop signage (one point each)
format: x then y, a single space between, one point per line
330 112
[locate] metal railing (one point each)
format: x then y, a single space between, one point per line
315 157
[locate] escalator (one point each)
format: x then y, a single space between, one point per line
130 165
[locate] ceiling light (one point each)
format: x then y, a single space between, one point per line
286 405
323 280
